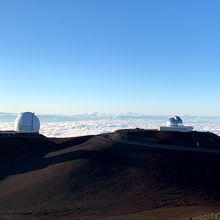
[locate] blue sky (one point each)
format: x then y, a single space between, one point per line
112 56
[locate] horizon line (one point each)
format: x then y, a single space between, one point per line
103 114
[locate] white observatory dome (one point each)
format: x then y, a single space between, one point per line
27 122
172 122
175 123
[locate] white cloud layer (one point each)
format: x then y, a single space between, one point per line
97 126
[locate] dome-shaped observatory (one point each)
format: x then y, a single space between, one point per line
172 122
175 123
27 122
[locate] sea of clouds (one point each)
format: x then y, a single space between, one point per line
89 124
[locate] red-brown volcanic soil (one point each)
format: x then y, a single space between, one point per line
109 176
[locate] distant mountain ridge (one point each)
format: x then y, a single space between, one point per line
9 117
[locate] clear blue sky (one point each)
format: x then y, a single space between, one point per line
144 56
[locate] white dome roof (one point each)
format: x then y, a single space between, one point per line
174 121
27 122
